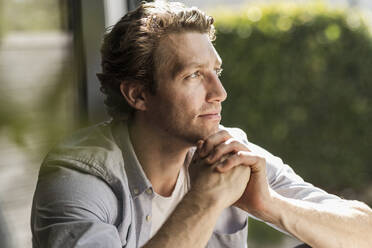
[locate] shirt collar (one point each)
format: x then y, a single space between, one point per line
137 180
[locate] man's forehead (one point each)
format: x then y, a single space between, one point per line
182 51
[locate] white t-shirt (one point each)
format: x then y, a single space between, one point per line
162 207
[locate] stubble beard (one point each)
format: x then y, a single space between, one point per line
192 136
186 134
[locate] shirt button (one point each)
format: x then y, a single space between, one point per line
136 191
149 191
148 218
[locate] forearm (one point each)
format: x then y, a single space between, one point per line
336 224
190 225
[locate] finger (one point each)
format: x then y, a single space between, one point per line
227 147
212 141
260 166
243 158
199 146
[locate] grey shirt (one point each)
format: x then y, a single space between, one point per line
92 192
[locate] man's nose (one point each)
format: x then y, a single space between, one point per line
215 90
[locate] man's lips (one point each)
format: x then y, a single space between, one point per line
215 115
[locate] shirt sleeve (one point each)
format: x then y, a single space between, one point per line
74 209
283 179
287 183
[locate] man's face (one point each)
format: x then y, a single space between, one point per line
187 102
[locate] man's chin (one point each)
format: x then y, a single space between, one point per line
200 133
207 132
214 130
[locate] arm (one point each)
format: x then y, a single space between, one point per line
329 224
210 193
309 213
73 209
317 218
190 225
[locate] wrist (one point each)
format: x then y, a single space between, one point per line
267 210
204 201
272 210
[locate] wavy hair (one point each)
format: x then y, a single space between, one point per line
129 48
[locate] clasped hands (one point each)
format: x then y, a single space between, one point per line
225 172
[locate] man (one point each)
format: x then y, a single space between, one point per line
163 173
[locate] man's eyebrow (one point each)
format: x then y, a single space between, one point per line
179 67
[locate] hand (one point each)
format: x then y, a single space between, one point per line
257 196
225 153
221 188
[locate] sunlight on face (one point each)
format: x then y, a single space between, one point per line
187 103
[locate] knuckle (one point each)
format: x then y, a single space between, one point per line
229 141
240 154
235 143
255 156
261 158
224 133
219 148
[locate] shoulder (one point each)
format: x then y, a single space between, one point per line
96 143
86 168
92 156
83 180
91 150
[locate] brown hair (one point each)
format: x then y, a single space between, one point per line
128 50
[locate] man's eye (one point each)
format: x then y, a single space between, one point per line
218 72
194 75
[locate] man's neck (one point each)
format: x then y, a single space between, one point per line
160 156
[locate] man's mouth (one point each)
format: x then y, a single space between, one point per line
211 116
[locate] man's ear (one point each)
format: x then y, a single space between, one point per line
135 94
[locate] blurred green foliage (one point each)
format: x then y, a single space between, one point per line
46 118
31 15
260 235
299 82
